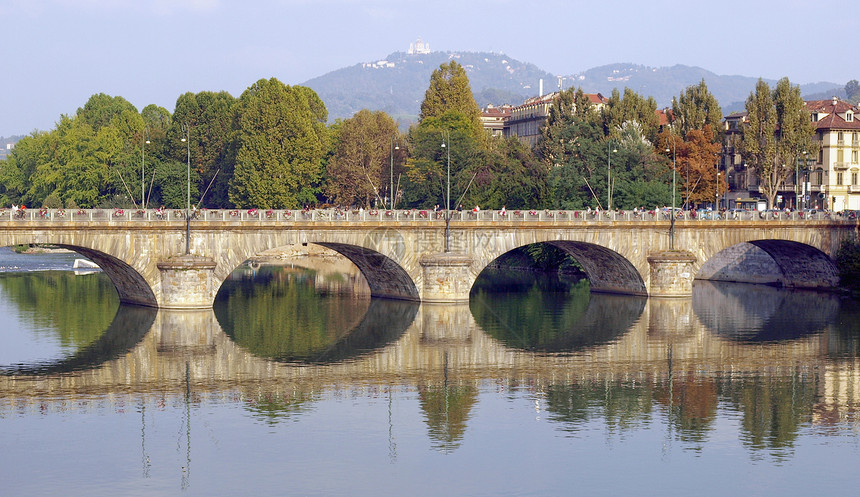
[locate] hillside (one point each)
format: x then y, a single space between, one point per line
664 83
397 83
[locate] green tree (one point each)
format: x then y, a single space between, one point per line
795 130
639 176
156 123
104 110
696 108
282 141
361 168
450 91
81 165
507 174
557 129
212 117
778 130
426 171
630 107
852 91
578 179
18 170
758 146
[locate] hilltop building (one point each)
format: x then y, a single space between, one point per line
6 150
419 48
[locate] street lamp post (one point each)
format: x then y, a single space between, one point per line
142 170
796 179
609 176
804 190
672 224
687 201
448 195
717 196
391 173
187 140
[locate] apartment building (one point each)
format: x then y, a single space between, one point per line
524 121
826 180
833 174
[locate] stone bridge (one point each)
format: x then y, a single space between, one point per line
168 260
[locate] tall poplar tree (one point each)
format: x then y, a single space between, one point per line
795 128
450 91
630 107
758 147
695 109
778 131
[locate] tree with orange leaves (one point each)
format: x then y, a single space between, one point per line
696 159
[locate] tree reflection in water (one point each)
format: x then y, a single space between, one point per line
82 313
288 315
548 312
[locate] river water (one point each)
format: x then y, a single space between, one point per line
296 384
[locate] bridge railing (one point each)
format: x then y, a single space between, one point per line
410 215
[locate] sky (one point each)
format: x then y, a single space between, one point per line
58 53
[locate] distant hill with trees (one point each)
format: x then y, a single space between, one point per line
396 83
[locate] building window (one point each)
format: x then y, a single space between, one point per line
820 155
840 138
839 179
854 157
849 116
853 178
854 138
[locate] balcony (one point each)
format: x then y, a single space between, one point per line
840 165
853 188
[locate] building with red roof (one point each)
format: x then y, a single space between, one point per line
834 173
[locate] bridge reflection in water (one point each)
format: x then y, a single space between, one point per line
674 353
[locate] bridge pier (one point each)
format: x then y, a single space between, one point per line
446 277
672 273
187 282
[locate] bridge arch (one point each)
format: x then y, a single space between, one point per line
385 277
130 285
607 270
380 256
771 261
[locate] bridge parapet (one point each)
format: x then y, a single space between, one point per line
111 216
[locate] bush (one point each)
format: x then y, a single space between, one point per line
848 263
53 201
71 204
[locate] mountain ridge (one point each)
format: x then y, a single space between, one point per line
396 83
